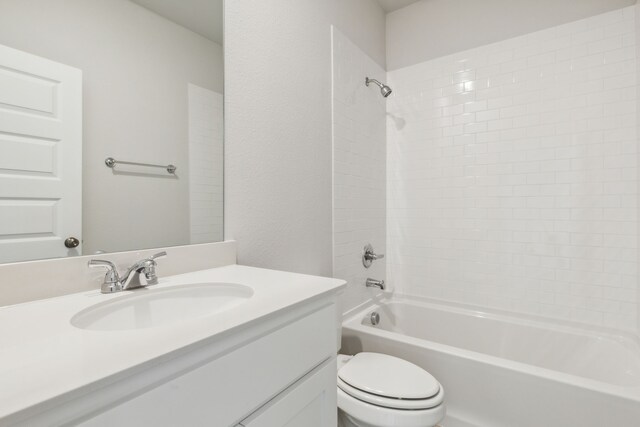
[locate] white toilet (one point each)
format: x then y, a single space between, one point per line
377 390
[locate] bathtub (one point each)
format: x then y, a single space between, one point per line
499 370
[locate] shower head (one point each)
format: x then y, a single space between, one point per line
384 89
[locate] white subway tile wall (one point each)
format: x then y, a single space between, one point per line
359 169
512 177
205 164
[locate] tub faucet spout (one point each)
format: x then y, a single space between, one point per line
373 283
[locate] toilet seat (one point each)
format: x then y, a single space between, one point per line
390 402
389 382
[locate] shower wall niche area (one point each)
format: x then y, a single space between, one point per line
512 174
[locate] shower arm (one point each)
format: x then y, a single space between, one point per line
368 80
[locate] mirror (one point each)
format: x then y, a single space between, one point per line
111 126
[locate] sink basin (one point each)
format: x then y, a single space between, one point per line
154 307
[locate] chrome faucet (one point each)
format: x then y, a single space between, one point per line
373 283
140 274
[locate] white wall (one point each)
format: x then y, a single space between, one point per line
206 151
513 174
359 169
637 30
432 28
136 67
278 151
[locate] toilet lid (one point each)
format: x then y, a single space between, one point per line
389 402
388 376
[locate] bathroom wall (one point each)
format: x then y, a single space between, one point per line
278 150
359 169
637 31
140 115
512 174
429 29
206 150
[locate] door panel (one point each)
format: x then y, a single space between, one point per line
27 156
23 91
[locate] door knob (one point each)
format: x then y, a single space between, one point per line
71 242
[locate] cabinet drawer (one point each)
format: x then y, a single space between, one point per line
225 390
310 402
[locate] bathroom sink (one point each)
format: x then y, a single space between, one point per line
154 307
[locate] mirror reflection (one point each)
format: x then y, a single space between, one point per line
111 126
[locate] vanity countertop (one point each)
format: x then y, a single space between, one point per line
43 356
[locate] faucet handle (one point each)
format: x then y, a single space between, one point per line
112 272
150 268
162 254
111 282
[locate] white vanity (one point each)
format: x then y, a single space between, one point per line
263 356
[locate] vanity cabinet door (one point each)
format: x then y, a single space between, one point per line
310 402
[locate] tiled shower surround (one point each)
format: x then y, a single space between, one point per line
512 174
359 168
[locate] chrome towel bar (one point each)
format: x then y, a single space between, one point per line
111 162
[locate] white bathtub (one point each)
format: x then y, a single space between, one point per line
503 371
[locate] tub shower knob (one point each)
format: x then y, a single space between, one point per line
369 256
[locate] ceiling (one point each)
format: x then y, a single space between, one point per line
205 16
200 16
391 5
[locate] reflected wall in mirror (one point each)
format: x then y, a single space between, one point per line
85 80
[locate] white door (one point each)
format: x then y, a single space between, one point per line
40 157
